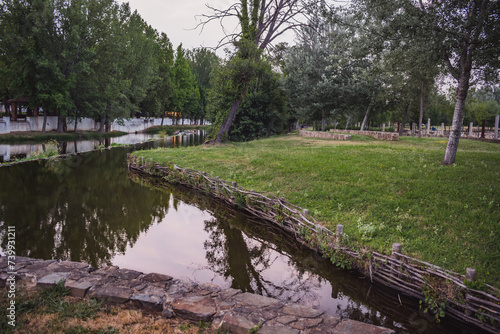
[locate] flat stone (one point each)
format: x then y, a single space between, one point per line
255 300
113 294
127 274
76 265
286 319
178 287
151 298
306 323
109 270
327 326
35 266
228 293
157 279
237 324
196 308
301 311
277 330
351 326
79 288
207 289
52 279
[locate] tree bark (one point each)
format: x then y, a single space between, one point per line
367 114
323 121
458 119
224 129
103 121
44 125
403 121
459 112
60 124
421 110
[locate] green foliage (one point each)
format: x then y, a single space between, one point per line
84 58
263 112
433 302
186 97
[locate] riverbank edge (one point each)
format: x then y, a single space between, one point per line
404 274
227 309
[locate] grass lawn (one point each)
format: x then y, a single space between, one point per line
382 192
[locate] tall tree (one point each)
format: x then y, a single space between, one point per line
203 62
463 32
159 97
186 97
261 22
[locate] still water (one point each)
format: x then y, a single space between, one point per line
88 207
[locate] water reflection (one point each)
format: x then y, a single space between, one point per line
11 152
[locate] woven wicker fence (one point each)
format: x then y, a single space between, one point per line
440 290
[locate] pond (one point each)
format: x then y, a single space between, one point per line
88 207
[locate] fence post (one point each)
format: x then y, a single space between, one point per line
497 120
340 230
471 129
470 275
396 248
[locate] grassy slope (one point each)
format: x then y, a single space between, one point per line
382 192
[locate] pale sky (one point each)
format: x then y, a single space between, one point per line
177 19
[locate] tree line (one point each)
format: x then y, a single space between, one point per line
96 59
371 61
367 62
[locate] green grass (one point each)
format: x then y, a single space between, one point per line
382 192
40 137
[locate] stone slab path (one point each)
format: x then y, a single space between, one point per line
229 309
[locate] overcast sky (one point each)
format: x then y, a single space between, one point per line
177 19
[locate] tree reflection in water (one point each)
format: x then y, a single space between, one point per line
77 209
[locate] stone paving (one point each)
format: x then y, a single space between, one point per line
229 309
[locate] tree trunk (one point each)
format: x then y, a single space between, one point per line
44 125
403 121
421 110
103 121
60 124
76 124
162 118
224 129
323 121
366 117
459 112
458 119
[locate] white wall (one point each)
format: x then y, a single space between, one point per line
85 124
